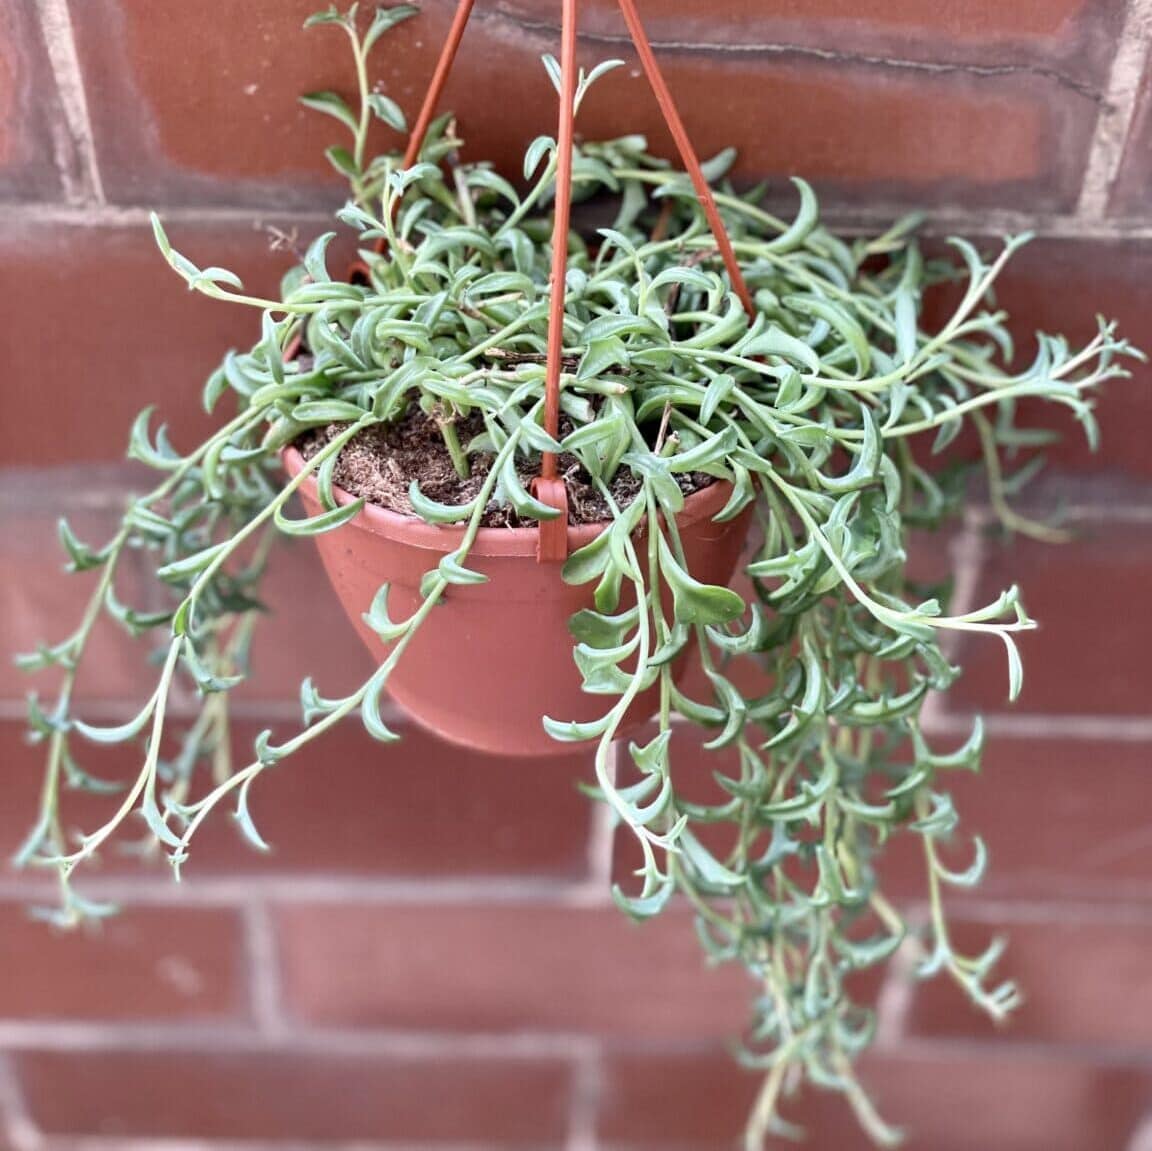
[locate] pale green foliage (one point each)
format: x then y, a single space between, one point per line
810 411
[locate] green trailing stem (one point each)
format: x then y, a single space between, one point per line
452 443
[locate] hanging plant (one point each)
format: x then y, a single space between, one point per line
488 463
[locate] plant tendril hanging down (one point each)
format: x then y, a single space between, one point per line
827 412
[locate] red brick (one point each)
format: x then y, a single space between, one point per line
982 32
164 136
147 964
1130 192
1061 819
419 807
42 603
500 968
30 113
653 1098
856 131
308 1099
305 632
1014 136
351 806
1084 982
933 556
136 336
1090 599
21 765
945 1100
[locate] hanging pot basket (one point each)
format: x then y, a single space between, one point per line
492 660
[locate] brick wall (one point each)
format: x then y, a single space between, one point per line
429 959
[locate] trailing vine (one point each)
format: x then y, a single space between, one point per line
810 411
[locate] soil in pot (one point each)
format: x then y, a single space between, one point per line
381 462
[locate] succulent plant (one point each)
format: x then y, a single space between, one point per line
830 412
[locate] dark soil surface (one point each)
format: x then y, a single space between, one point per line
381 462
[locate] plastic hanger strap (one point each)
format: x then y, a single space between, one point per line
552 547
688 155
552 487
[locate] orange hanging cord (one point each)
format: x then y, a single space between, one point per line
435 90
687 154
549 487
439 79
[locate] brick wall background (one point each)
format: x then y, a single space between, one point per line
457 979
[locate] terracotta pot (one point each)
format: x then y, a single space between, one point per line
492 659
